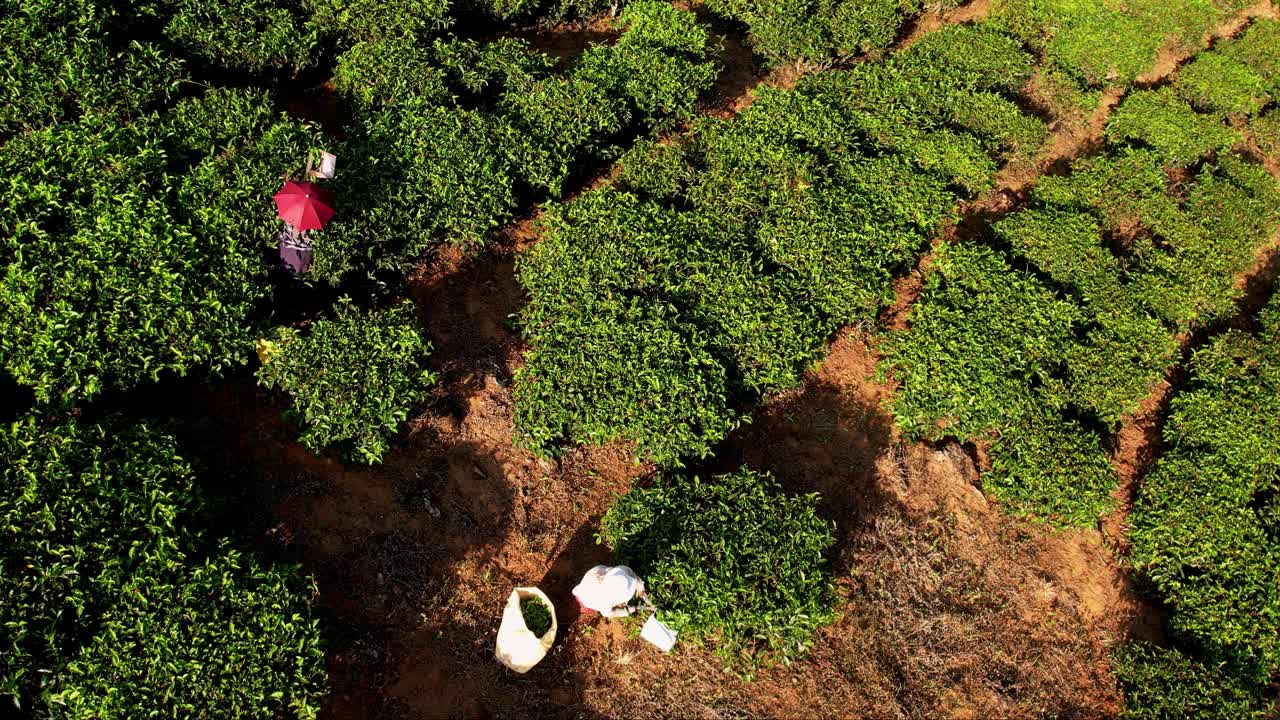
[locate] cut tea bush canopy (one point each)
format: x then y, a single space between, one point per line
115 606
352 379
731 560
1206 521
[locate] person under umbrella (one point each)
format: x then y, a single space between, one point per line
303 207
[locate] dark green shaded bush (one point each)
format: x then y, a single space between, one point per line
59 58
242 34
1167 123
983 338
822 31
114 607
136 250
1052 467
1164 684
615 368
1265 130
353 379
371 20
1205 526
731 560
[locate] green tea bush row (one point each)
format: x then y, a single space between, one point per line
448 150
1135 258
744 244
114 606
59 58
823 31
137 249
1207 519
1065 324
731 560
353 379
1097 42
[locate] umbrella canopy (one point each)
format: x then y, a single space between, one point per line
304 206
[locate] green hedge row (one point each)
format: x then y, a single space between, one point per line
823 31
1043 342
1207 521
113 605
137 249
731 560
1098 42
448 149
717 265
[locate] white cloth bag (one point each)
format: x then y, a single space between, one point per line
607 590
517 647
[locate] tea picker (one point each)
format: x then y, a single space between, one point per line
304 207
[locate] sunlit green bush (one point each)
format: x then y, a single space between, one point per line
115 606
352 380
731 560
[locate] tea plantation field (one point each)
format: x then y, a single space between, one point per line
1048 224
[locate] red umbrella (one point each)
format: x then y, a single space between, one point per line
304 206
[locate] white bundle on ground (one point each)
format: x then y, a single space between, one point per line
608 590
517 647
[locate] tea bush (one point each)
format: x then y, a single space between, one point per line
137 250
115 606
1215 83
1265 130
1164 683
1048 338
759 236
476 129
353 379
1206 520
1167 123
60 58
731 560
823 31
242 34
